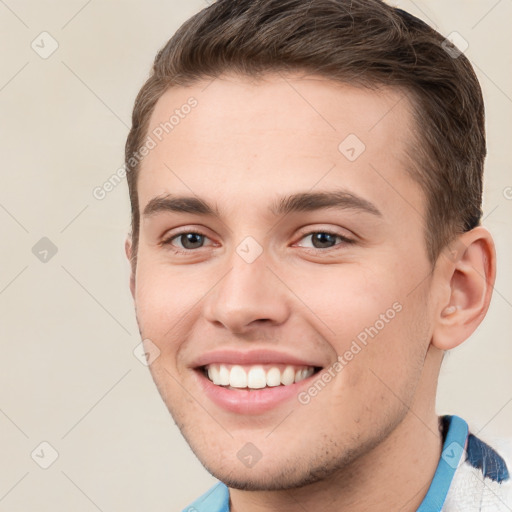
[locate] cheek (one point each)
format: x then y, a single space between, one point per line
346 301
387 369
163 294
164 308
164 303
377 328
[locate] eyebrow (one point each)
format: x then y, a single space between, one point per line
299 202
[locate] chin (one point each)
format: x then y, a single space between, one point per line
277 474
264 479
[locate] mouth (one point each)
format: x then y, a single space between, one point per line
256 377
253 381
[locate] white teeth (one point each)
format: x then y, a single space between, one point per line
223 375
237 377
213 373
256 377
288 376
273 377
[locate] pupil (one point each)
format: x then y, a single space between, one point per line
193 239
323 238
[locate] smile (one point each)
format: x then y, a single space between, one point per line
256 381
234 376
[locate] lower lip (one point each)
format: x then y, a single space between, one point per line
255 401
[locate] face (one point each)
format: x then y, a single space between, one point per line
282 273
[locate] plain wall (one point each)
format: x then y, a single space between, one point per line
67 371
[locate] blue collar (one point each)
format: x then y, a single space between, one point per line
215 500
453 449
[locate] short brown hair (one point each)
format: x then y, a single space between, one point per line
364 43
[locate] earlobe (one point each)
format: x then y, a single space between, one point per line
128 251
470 273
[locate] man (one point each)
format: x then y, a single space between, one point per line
306 180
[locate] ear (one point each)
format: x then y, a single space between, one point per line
468 271
128 247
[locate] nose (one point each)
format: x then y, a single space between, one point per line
248 294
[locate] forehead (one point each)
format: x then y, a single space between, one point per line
235 138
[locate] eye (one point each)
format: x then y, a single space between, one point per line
188 240
326 239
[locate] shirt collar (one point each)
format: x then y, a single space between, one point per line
456 434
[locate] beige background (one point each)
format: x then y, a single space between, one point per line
68 373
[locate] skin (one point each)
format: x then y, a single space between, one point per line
354 446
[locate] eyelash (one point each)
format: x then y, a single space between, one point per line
344 240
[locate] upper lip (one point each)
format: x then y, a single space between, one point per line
251 357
